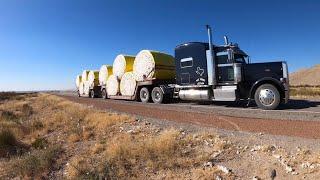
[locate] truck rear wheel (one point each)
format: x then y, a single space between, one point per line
157 95
144 95
104 94
92 95
267 97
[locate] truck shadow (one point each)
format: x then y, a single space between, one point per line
293 104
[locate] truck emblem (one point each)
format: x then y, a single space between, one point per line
200 81
200 71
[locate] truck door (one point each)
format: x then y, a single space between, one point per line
225 69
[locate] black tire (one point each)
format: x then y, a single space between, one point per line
92 95
79 94
157 95
144 95
104 94
264 91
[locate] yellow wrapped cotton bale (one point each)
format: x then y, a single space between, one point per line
93 78
152 64
128 84
78 81
84 76
112 85
104 73
122 64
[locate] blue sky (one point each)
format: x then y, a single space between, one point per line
45 44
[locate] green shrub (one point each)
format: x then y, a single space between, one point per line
40 143
7 139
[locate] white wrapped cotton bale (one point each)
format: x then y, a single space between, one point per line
152 64
78 81
121 64
112 85
93 78
84 76
81 88
104 73
86 88
128 84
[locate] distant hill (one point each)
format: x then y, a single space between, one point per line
308 76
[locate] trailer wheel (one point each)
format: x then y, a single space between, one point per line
92 95
79 94
157 95
144 95
267 97
104 94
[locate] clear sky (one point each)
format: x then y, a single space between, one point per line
44 44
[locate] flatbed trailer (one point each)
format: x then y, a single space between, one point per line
157 90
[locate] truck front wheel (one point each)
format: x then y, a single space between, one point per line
104 94
267 97
157 95
144 95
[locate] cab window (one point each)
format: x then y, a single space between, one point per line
222 58
239 58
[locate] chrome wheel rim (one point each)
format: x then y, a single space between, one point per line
267 97
144 95
157 96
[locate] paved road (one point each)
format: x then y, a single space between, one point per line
290 122
295 110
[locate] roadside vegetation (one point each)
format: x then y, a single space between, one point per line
305 91
46 137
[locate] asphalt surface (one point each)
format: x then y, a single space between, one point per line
299 118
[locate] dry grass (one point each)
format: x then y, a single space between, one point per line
37 164
305 91
58 139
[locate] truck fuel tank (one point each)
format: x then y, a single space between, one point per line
195 94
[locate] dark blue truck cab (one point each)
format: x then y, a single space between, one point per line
207 72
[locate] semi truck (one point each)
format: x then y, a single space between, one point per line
209 72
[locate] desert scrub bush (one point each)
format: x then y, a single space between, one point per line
37 164
40 143
8 116
27 110
83 167
37 125
7 139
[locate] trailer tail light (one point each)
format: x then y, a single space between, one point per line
237 73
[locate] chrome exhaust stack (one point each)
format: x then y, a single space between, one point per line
213 65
